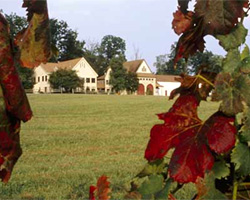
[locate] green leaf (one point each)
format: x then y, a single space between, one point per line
241 157
221 169
234 39
210 191
163 194
155 167
151 186
245 130
232 91
232 61
245 53
245 66
226 90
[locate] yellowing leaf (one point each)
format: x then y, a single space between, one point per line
34 42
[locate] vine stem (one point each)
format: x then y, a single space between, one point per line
235 190
204 79
244 184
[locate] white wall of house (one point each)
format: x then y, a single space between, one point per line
167 88
108 87
86 72
41 81
148 81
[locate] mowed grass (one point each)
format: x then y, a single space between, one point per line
74 139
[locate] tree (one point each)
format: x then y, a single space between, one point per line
64 79
131 82
165 63
118 73
94 57
26 75
112 46
213 61
16 23
65 40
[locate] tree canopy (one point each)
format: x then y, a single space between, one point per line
65 40
120 79
165 63
111 46
64 79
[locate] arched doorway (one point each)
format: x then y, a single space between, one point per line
150 89
140 90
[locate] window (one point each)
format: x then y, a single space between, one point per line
38 79
46 78
42 78
87 80
107 82
144 69
93 90
93 80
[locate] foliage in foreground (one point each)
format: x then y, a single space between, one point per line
213 154
29 48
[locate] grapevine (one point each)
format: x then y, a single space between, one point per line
213 154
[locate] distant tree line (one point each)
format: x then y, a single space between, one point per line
65 45
165 63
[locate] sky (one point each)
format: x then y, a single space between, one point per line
144 24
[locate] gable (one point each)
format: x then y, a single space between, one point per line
144 68
40 71
83 69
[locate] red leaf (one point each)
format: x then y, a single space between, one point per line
92 189
181 22
101 190
221 136
10 149
15 98
184 131
171 197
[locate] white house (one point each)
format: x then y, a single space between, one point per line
80 65
149 83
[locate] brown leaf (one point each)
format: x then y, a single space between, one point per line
190 42
34 42
181 22
219 16
133 195
201 85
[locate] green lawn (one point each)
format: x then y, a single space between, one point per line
74 139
